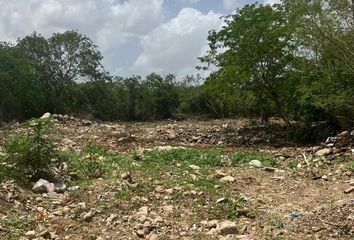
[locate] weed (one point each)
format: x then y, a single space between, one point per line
32 154
15 224
350 166
293 163
242 156
231 209
208 157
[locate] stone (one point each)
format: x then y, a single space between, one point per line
221 200
220 174
323 152
88 216
255 163
73 188
46 115
60 187
43 186
31 234
227 179
194 167
325 177
126 176
45 234
349 190
226 227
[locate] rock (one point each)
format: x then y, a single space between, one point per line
209 224
226 227
235 237
126 176
60 187
168 208
227 179
140 233
220 174
45 234
221 200
349 190
88 216
323 152
160 189
46 115
31 234
143 210
194 167
73 188
325 177
43 186
255 163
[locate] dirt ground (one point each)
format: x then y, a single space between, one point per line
303 197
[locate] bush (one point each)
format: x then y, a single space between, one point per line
31 155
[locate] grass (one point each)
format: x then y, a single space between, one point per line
350 165
16 225
207 157
267 159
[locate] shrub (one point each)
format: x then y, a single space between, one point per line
32 154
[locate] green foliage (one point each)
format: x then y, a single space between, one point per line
231 209
292 163
190 156
350 166
95 161
242 156
16 225
32 154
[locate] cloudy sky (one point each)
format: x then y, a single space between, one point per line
135 36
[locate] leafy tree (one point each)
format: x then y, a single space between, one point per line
62 60
254 50
20 94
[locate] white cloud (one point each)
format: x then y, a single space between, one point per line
174 46
230 4
271 2
107 21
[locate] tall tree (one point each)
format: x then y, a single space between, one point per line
254 49
62 60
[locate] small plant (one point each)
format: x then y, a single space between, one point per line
32 154
292 163
350 166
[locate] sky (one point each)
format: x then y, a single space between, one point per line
136 37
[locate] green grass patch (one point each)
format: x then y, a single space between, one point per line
204 157
16 225
242 156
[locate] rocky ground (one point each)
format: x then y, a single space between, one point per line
189 179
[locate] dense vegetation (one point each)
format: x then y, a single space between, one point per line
294 60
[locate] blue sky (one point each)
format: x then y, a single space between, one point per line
135 36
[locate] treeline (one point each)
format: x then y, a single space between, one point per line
294 60
63 74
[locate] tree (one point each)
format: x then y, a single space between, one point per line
253 50
61 61
325 30
20 94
